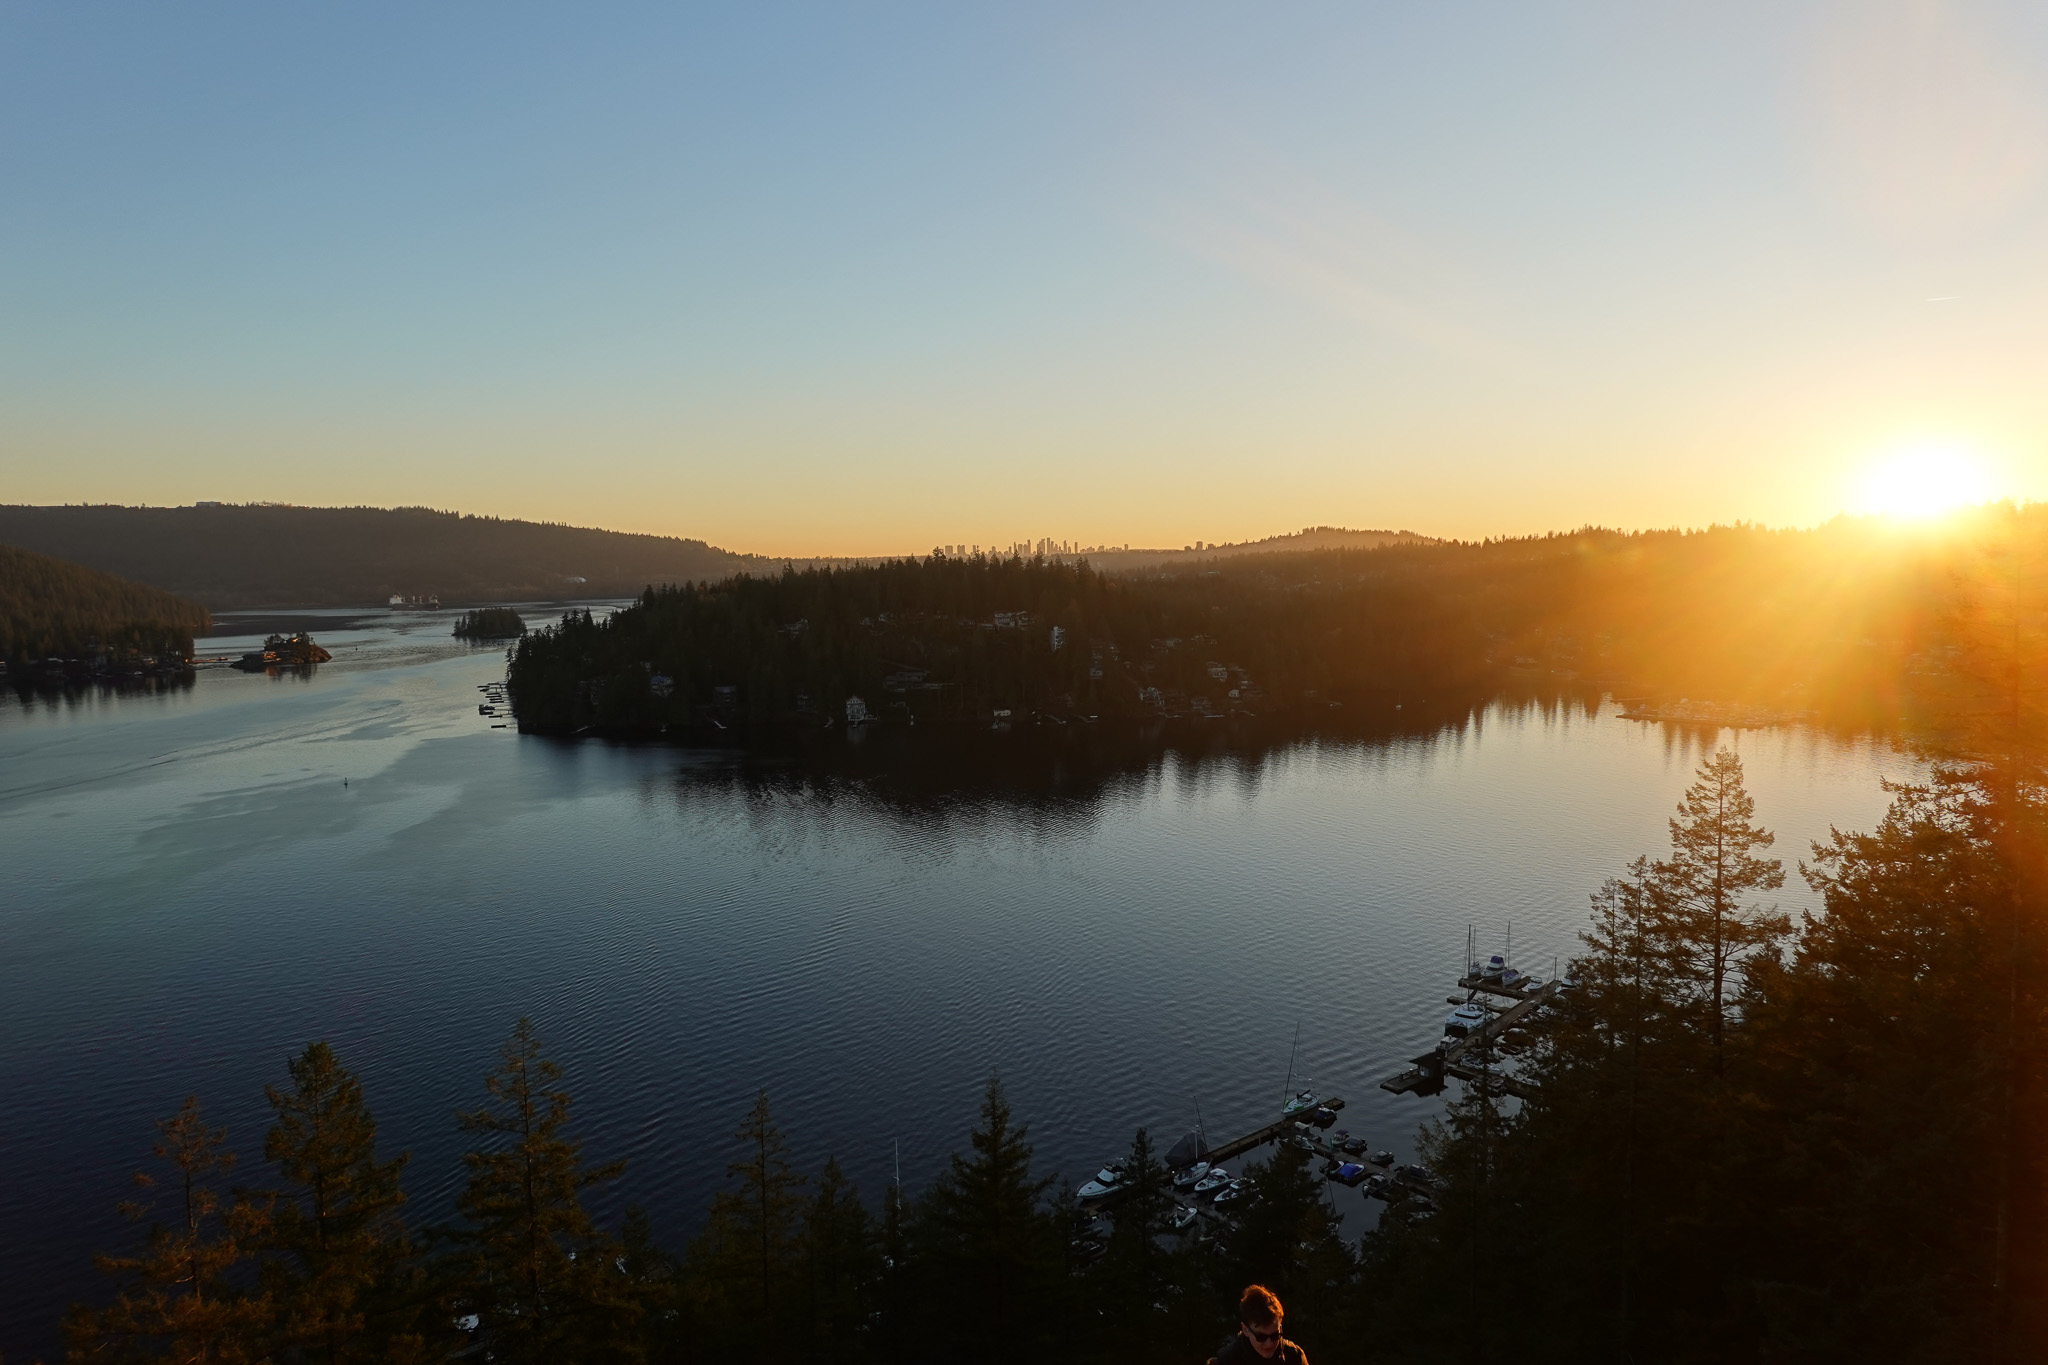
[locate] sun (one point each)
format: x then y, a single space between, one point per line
1923 481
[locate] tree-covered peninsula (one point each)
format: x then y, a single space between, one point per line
53 609
1850 623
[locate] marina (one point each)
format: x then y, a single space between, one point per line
1497 1001
496 704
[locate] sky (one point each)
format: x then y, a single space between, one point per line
865 278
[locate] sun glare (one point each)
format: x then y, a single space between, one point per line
1923 482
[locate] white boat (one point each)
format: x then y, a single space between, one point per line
1183 1217
1107 1181
1187 1178
1212 1182
1464 1020
1495 965
1303 1102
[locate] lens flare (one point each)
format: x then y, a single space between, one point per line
1923 482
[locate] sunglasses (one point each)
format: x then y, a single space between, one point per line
1263 1338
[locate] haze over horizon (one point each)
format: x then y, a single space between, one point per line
804 280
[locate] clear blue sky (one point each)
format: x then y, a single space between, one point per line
847 278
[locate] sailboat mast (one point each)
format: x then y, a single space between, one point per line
1288 1092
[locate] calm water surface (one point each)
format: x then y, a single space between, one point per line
194 885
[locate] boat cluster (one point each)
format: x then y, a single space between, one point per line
1195 1180
1496 970
1409 1190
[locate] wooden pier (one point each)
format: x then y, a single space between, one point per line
1272 1132
1426 1074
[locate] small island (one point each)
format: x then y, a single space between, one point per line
283 651
489 623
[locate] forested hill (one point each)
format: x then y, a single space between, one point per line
51 608
1851 623
1308 538
257 555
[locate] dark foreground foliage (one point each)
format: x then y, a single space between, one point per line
1844 1158
49 608
1750 1141
1850 623
320 1263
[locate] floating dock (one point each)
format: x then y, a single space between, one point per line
1272 1132
1426 1074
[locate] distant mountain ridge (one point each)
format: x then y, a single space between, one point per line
265 554
247 555
1306 539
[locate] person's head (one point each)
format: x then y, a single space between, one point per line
1258 1316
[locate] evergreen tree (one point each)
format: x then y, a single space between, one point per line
1709 879
1130 1282
341 1283
895 1288
653 1280
1881 1046
992 1253
183 1298
839 1269
742 1267
1839 1200
531 1261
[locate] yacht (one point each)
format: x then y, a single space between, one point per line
1107 1181
1304 1102
1465 1020
1188 1177
1212 1182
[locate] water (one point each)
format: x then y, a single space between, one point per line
197 883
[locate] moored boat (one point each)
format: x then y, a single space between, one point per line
1304 1102
1109 1180
1464 1020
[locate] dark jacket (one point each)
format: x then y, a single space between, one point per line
1239 1351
